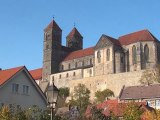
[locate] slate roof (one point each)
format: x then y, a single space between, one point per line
140 92
73 33
54 25
143 35
36 74
79 54
5 75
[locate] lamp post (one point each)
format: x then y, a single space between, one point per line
52 95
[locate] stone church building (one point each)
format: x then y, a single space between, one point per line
111 63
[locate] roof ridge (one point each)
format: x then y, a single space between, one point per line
133 33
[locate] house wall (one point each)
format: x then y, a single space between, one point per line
24 100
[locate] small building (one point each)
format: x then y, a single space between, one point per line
18 88
149 94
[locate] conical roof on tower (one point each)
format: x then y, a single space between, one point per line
74 32
53 25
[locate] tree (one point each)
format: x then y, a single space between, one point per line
132 112
64 92
102 95
80 97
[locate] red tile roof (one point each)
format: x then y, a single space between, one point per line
54 25
79 53
8 73
73 33
143 35
36 74
115 107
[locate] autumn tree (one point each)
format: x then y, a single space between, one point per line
102 95
132 112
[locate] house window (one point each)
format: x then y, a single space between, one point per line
99 56
60 76
146 53
108 54
134 56
25 89
15 88
67 75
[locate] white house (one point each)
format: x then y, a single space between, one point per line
17 87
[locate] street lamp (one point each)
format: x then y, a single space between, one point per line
52 95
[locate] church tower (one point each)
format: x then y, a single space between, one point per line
51 49
74 40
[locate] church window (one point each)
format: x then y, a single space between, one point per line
47 46
146 53
108 54
121 59
60 76
45 36
52 78
69 66
74 74
90 72
99 56
90 61
62 67
67 75
134 56
76 65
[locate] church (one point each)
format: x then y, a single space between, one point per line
112 63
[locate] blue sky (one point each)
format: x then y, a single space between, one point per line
22 23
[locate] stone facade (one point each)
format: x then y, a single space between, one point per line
111 63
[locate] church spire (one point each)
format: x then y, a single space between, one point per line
53 25
73 33
74 39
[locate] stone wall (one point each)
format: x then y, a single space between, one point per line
115 82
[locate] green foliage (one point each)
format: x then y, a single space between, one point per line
80 97
132 112
64 92
102 95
